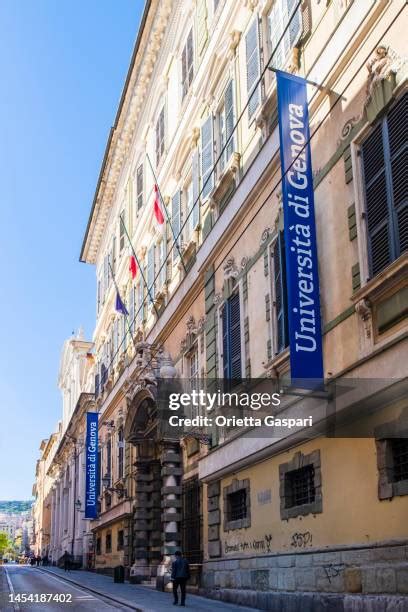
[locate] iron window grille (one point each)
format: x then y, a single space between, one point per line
121 539
300 486
237 505
399 449
108 543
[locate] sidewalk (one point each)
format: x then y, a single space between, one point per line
140 597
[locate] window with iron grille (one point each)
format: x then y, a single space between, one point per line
300 487
98 546
192 520
399 449
108 542
301 493
237 505
384 160
121 539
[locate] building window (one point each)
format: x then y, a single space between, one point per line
253 67
161 248
191 526
207 157
176 223
122 222
187 64
392 463
399 449
193 370
140 304
108 542
237 505
139 187
160 136
98 546
384 160
231 339
301 490
109 456
121 539
225 120
280 294
283 12
108 501
121 453
151 272
299 485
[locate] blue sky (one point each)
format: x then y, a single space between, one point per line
62 66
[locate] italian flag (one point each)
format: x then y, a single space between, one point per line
157 207
133 266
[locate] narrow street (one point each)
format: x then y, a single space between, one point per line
91 591
29 581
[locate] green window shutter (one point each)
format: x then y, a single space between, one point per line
150 272
176 223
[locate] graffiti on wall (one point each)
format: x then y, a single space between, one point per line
254 546
301 540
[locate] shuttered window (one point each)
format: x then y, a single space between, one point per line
281 308
122 223
226 125
196 188
187 64
176 223
121 448
231 335
139 187
207 157
283 12
160 136
162 262
253 67
150 273
140 303
385 160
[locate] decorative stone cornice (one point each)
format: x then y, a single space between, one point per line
122 134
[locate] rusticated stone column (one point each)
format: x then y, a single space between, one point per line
171 508
140 568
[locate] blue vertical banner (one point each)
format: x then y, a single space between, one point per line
91 465
305 334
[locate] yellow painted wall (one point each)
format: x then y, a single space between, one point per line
116 557
352 513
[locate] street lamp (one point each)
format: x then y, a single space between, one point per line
106 481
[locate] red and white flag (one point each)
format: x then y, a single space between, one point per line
157 207
133 266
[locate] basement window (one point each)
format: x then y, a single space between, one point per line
299 485
392 465
237 505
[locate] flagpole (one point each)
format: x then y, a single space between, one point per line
167 214
118 292
139 266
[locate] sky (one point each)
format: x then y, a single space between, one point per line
62 68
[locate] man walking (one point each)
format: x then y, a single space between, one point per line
180 573
67 561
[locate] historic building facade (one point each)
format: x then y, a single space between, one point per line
68 529
196 132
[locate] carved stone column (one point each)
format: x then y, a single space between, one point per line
140 568
171 508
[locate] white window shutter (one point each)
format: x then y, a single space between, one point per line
253 67
229 118
207 157
196 189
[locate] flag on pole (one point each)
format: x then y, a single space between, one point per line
133 266
120 307
157 207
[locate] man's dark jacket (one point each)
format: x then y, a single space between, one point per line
180 569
